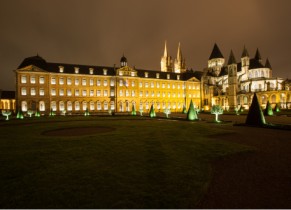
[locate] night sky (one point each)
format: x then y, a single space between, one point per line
98 32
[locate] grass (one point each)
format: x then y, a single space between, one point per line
144 163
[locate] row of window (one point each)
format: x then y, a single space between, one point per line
105 93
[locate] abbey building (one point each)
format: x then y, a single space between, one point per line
46 86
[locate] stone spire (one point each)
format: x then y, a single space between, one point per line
268 65
245 52
216 53
231 59
258 55
166 50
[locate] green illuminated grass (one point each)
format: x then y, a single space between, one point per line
144 163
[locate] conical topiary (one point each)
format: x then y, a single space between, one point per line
87 113
184 111
192 114
133 111
152 112
37 113
255 115
277 108
268 111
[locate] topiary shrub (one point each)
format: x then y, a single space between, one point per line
268 111
255 115
192 114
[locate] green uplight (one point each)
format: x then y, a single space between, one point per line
192 114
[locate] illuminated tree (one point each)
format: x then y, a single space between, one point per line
64 112
19 115
30 112
192 114
87 113
216 110
133 112
268 111
52 113
255 115
140 111
6 113
37 113
167 111
184 111
152 111
277 108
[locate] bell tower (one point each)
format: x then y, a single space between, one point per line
166 61
232 81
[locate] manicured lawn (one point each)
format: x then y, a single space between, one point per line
143 163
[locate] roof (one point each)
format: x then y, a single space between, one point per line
98 70
245 53
6 94
258 55
216 53
268 65
231 59
255 64
123 59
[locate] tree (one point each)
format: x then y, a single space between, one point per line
277 108
167 111
268 111
133 112
37 113
217 110
192 114
255 115
19 115
152 111
6 113
30 112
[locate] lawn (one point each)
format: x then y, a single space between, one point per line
139 163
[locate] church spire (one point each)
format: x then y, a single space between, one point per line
231 59
216 53
258 55
166 50
268 65
179 53
245 52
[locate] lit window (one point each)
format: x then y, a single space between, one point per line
132 83
140 93
61 92
61 69
98 82
77 92
163 85
41 80
69 81
146 84
157 75
111 92
179 86
23 79
76 70
53 81
105 92
112 105
169 94
92 105
120 93
152 85
132 74
120 82
98 93
84 82
32 79
53 92
61 81
112 82
69 92
147 93
153 93
98 105
126 93
91 82
173 86
77 105
84 93
91 92
169 86
140 84
104 71
146 74
178 77
32 91
158 94
133 93
105 83
168 76
69 106
91 70
76 81
41 92
105 105
23 91
158 85
120 73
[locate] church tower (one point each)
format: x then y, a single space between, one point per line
180 64
245 61
215 61
232 81
123 61
166 61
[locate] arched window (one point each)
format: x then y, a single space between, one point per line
105 105
264 99
41 106
147 105
84 105
24 106
263 74
77 105
69 106
127 106
98 105
61 105
92 105
245 100
112 107
158 105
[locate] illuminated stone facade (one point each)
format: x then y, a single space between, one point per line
46 86
233 84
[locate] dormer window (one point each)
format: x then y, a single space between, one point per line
157 75
178 77
168 76
76 70
120 73
91 71
146 74
104 71
61 69
132 74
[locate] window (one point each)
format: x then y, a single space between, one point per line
76 81
76 70
92 105
163 85
53 92
169 86
105 105
120 82
23 79
140 84
179 86
69 81
91 92
104 71
77 92
105 92
112 82
168 76
158 85
98 92
23 91
120 93
84 93
69 92
153 93
158 94
169 94
111 92
126 93
112 105
41 80
152 85
132 74
146 74
61 69
157 75
98 105
61 81
133 83
41 106
140 93
84 82
77 105
105 83
32 92
178 77
41 92
147 93
24 106
61 92
84 105
173 86
69 106
62 105
32 79
91 82
133 93
91 71
53 81
146 84
98 82
54 106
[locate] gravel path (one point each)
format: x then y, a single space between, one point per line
260 179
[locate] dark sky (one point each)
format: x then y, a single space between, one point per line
98 32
